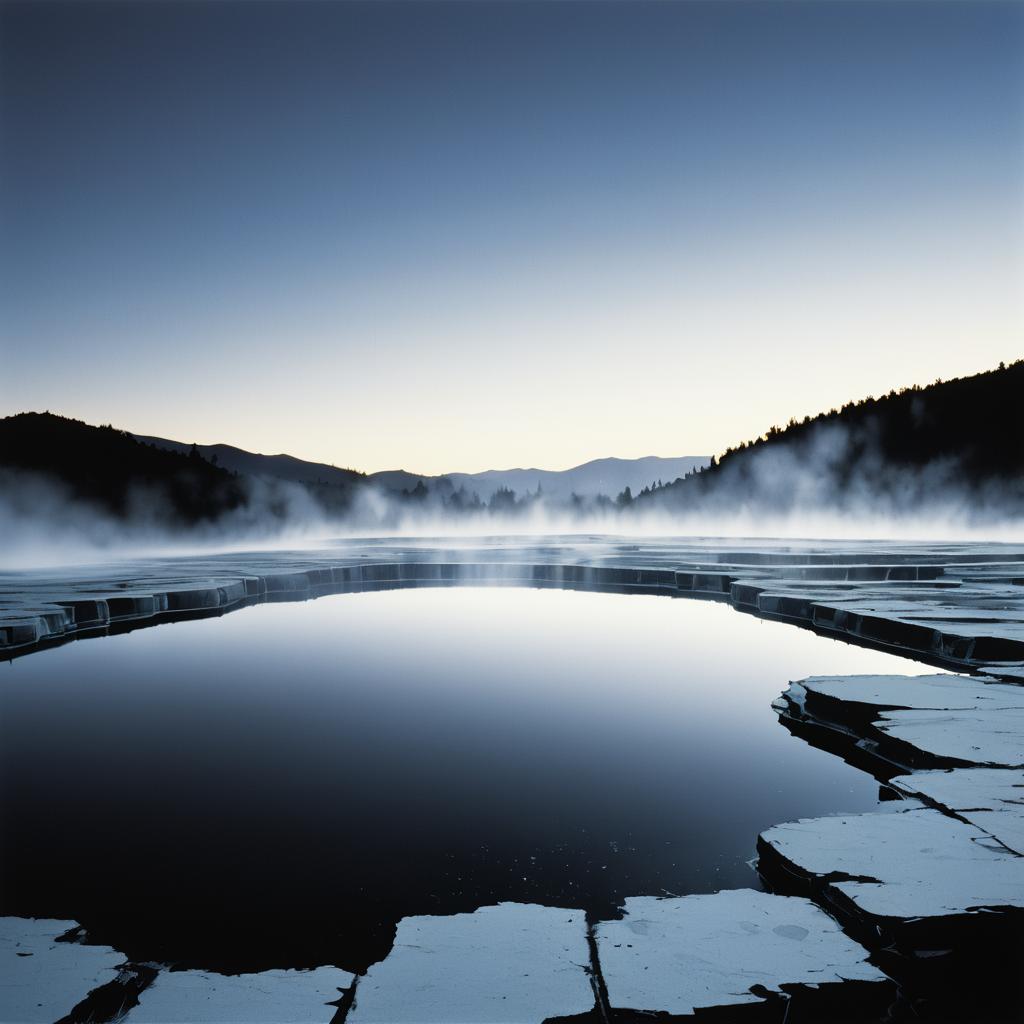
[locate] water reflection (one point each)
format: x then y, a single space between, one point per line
279 786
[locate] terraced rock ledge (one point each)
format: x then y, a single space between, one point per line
915 910
935 887
958 606
506 964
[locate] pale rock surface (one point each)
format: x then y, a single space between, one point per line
513 963
678 955
916 864
42 980
269 997
991 798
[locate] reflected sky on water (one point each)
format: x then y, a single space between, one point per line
281 785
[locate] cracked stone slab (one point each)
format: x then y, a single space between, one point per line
514 963
948 718
680 955
42 980
269 997
939 692
990 798
915 864
1013 673
989 737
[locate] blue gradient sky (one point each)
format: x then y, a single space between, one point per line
462 236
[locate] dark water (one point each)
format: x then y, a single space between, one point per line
278 787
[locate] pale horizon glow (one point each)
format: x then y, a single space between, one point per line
452 238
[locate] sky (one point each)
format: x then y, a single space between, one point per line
464 236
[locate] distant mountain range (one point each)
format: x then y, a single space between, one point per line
52 466
600 476
953 448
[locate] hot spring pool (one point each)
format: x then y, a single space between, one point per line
280 786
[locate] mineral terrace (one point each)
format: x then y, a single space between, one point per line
917 910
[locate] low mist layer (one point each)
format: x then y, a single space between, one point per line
945 460
952 451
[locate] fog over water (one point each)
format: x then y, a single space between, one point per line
34 543
42 546
42 527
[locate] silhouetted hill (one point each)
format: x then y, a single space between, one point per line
957 441
114 472
600 476
952 447
278 467
153 480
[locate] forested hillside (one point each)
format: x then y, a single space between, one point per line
959 441
114 473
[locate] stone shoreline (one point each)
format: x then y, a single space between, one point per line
928 894
957 606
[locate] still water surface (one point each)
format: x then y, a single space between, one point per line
278 787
